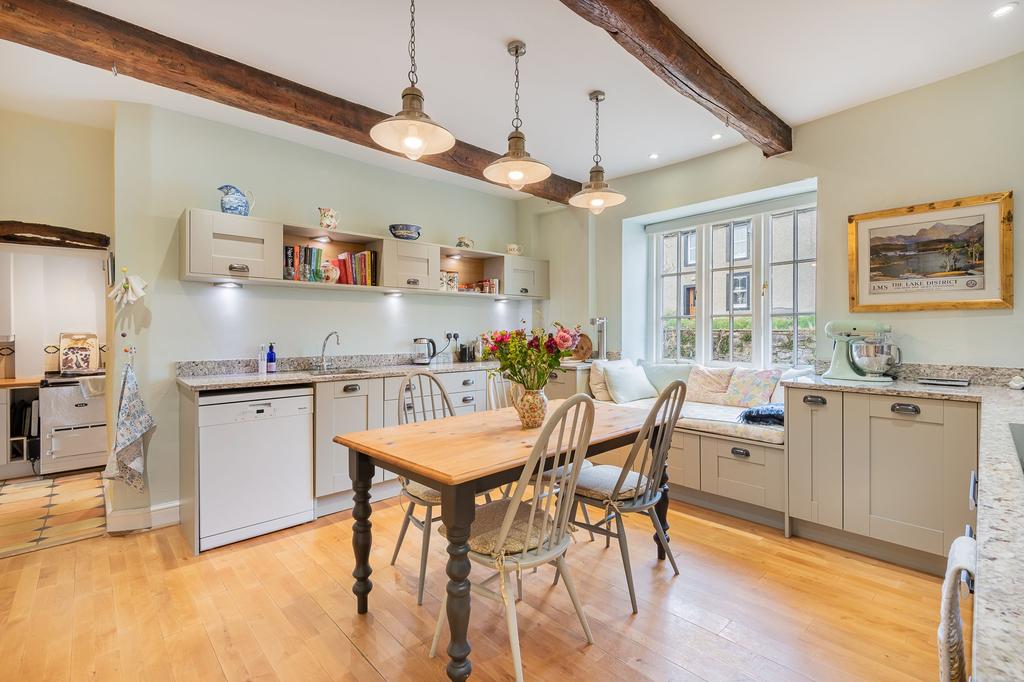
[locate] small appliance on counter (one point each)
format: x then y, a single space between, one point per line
861 351
424 350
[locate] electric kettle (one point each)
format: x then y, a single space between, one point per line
424 350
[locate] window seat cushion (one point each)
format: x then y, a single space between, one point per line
719 420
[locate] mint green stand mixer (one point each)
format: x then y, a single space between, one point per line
861 351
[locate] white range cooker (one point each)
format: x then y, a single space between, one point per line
72 426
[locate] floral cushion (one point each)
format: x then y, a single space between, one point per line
750 387
708 384
483 534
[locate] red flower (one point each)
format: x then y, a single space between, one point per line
533 343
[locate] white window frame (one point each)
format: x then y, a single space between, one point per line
795 261
759 251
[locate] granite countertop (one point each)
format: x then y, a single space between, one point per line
218 382
999 584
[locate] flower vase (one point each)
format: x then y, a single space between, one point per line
532 407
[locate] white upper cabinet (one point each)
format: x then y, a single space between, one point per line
6 296
409 265
526 277
231 245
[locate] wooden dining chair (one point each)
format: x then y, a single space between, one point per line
634 487
531 527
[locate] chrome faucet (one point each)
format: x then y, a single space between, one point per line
323 349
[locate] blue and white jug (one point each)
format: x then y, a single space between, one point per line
235 200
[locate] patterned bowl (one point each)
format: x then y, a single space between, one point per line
403 231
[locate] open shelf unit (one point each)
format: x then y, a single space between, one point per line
221 248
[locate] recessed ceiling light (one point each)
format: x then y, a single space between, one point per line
1004 9
716 136
455 256
652 156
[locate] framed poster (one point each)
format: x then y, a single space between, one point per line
946 255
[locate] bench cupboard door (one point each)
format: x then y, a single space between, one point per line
814 440
742 471
684 460
234 246
906 462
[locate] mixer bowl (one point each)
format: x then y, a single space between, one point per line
874 358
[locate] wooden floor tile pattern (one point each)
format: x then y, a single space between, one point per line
748 605
41 512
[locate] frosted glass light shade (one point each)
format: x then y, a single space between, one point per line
516 169
596 195
411 132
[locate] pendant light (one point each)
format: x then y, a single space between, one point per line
410 131
596 195
516 169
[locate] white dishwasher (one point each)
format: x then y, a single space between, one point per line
255 463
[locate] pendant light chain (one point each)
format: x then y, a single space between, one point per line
597 132
413 78
516 121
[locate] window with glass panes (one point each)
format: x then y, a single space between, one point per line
732 322
791 273
677 296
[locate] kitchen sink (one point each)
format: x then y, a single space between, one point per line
340 370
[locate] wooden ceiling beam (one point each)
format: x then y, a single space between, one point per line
90 37
38 234
645 32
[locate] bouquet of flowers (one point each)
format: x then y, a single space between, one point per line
527 358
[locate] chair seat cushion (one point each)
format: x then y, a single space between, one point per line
422 492
587 464
483 534
599 482
719 420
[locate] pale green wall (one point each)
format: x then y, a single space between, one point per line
56 173
166 162
959 137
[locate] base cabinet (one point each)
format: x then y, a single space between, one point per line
907 462
341 407
814 440
742 471
684 460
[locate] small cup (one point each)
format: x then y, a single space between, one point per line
514 249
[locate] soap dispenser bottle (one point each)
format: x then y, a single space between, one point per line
271 359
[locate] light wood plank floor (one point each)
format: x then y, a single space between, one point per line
748 605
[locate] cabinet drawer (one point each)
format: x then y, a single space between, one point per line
411 266
684 460
911 409
453 382
234 246
741 471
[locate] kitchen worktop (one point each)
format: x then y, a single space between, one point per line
999 584
20 382
219 382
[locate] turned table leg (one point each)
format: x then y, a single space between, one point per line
661 509
458 509
361 471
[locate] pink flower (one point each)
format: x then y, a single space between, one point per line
563 340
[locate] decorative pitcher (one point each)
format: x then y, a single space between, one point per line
235 200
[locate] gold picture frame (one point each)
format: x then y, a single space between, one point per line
916 291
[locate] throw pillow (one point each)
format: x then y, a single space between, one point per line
663 374
627 383
779 394
598 385
749 387
708 384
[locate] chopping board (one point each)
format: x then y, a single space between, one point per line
584 349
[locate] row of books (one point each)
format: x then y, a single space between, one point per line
303 264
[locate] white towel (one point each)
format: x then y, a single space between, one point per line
127 460
963 555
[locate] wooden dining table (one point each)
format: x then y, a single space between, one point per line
462 457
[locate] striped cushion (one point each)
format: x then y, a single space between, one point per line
598 482
483 534
422 493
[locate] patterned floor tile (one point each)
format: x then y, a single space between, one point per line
38 512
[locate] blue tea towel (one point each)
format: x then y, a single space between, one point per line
769 414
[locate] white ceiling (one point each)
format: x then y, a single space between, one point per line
803 58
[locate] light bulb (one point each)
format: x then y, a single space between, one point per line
515 176
596 202
412 143
596 210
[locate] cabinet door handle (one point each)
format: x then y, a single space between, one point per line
972 492
815 400
741 452
238 267
413 282
351 388
524 290
468 382
467 399
905 408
